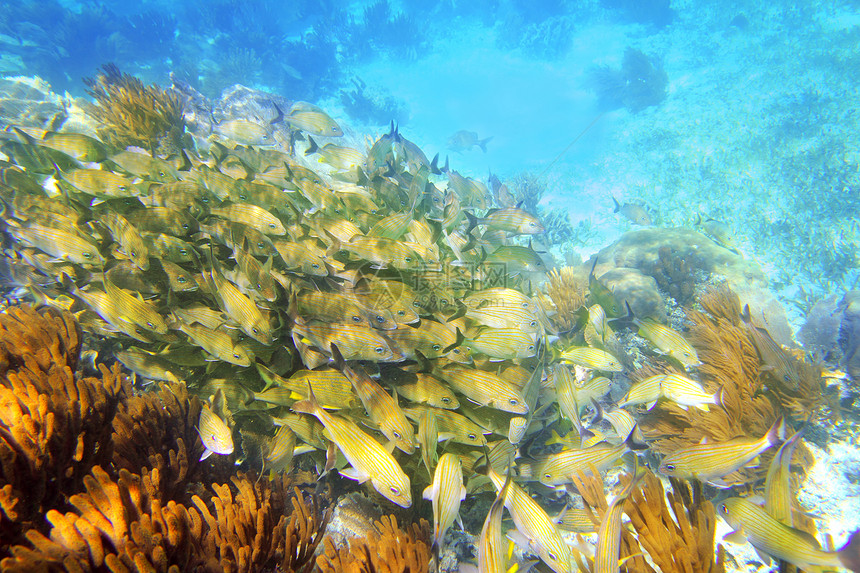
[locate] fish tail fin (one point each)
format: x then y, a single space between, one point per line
482 143
632 442
278 118
776 433
849 555
473 222
308 406
312 146
434 165
617 205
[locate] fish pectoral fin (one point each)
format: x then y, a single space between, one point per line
428 492
651 405
206 453
765 558
736 537
719 483
352 473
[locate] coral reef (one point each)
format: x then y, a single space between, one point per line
54 427
676 529
132 113
752 399
568 294
370 105
849 332
674 274
639 83
388 549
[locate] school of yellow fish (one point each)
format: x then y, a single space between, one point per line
379 313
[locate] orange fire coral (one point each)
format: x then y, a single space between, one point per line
388 549
54 427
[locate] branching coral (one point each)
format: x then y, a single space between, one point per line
387 550
124 526
676 530
681 540
157 430
132 113
568 294
730 365
54 427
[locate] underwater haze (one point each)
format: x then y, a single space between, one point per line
437 271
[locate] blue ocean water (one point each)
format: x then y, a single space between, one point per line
740 113
733 111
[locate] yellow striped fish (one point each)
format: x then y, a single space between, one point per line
503 343
428 438
369 460
593 358
646 391
446 492
782 542
130 240
491 543
279 449
485 388
135 310
608 552
333 390
237 305
778 496
557 469
216 343
576 520
216 436
668 341
534 523
510 316
565 386
252 216
686 392
422 388
60 244
452 426
380 405
710 462
512 221
355 342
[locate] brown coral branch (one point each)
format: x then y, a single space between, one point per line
387 549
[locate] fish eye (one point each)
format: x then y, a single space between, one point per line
181 279
380 319
401 313
204 199
533 323
185 226
356 318
315 266
272 226
255 331
416 305
87 255
472 437
259 286
183 252
161 173
261 245
513 402
243 197
724 509
669 467
786 378
236 356
531 347
150 325
446 400
456 351
552 556
134 254
122 187
547 476
394 490
396 435
379 350
408 259
437 347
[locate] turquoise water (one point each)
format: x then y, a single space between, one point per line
741 113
